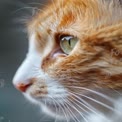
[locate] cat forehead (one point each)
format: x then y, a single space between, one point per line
61 13
58 17
76 15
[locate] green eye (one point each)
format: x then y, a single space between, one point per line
68 43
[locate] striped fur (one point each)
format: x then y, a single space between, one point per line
95 64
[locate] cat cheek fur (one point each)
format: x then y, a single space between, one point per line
42 86
79 82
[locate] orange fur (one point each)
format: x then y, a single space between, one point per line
98 25
95 62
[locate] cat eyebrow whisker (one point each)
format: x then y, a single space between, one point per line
22 8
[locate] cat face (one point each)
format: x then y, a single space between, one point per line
74 57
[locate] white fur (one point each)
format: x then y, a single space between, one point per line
30 64
31 68
55 89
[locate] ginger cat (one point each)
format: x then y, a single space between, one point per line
73 69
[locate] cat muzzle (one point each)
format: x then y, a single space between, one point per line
22 87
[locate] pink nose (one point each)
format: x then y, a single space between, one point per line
23 87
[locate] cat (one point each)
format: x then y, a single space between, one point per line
73 69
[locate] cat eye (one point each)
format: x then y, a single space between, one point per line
68 43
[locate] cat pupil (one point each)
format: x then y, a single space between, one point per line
69 42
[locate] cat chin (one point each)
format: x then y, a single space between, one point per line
28 97
46 109
50 113
50 110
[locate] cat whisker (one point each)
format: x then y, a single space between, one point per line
75 100
77 111
93 91
82 103
65 113
45 102
55 108
116 91
32 8
71 114
70 111
96 101
62 109
59 104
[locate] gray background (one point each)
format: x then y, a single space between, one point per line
13 47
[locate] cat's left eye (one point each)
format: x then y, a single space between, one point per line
68 43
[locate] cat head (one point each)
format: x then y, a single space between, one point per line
75 50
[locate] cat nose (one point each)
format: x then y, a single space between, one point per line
24 76
24 84
22 87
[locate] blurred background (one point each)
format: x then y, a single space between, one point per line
13 48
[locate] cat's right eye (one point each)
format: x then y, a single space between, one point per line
68 43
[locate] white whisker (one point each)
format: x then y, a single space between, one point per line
77 110
22 9
96 101
70 111
55 108
95 92
62 109
82 103
75 100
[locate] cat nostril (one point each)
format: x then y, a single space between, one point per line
23 87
